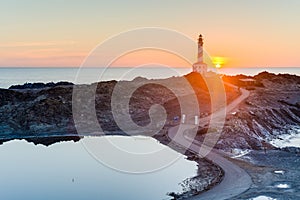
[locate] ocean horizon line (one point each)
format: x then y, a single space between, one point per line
158 66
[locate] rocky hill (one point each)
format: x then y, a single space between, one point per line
272 109
37 111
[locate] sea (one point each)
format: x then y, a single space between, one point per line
14 76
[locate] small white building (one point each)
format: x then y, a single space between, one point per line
197 120
183 117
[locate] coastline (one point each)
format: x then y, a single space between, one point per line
208 177
69 73
208 174
31 114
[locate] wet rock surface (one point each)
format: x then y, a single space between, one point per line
275 174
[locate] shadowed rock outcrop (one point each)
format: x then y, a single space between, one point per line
40 110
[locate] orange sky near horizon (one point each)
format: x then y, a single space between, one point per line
246 34
150 57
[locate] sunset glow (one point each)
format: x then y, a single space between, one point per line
157 99
219 61
152 57
66 37
218 65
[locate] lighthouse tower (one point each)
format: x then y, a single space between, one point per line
200 66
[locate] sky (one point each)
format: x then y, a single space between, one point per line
61 33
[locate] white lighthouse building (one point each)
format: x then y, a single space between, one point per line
200 66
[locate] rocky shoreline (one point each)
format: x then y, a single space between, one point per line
42 114
43 110
272 109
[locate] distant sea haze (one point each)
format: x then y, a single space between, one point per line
12 76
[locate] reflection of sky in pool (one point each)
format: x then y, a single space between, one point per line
39 172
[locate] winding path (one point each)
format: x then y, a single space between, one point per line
235 180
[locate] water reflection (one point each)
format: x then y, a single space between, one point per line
66 171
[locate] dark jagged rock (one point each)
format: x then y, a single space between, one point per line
267 113
47 111
47 141
40 85
292 149
41 110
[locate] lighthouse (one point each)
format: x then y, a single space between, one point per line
200 66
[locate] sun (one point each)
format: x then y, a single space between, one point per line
219 61
218 65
